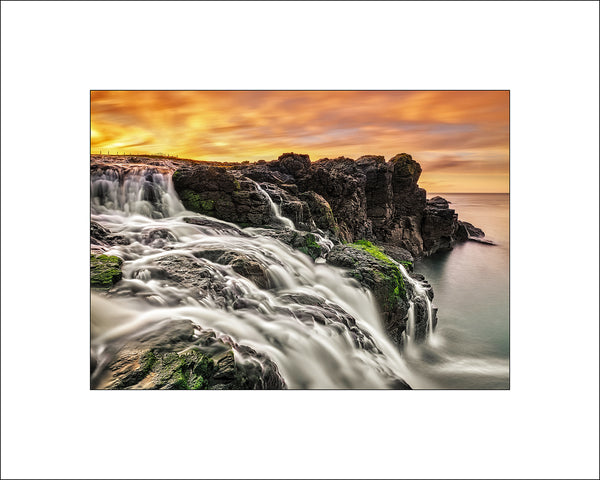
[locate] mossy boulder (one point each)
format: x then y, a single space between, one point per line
178 355
310 247
381 275
222 193
306 242
154 369
393 274
105 270
187 371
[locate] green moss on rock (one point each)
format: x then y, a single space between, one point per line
194 202
148 360
311 247
105 270
187 371
397 289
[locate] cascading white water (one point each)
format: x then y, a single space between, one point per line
429 318
320 328
420 292
410 325
143 190
325 243
275 209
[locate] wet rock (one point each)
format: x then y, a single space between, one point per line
399 254
400 384
220 193
105 270
382 277
421 315
157 237
482 240
103 237
469 230
320 212
190 276
303 241
243 264
290 206
439 227
184 271
216 226
98 233
247 267
178 355
342 184
265 173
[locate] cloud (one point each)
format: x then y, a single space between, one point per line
447 131
472 165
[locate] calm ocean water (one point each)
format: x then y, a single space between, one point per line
470 347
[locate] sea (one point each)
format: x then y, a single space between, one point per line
470 347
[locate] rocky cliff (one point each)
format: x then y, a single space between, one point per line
364 199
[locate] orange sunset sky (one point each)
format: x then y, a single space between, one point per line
460 138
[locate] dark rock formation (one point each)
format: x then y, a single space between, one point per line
178 355
216 226
303 241
373 269
439 226
103 237
218 192
367 198
381 279
466 231
157 237
243 264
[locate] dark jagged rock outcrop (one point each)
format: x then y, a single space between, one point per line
368 198
218 192
439 226
467 231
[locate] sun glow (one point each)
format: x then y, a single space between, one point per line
461 138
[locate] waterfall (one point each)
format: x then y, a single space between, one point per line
142 190
420 292
275 209
320 237
410 324
318 326
429 317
